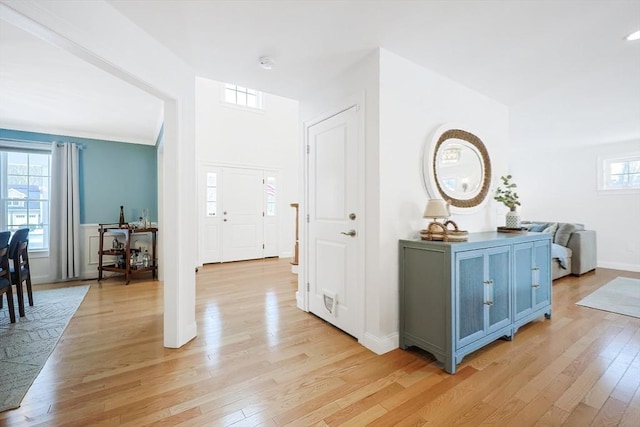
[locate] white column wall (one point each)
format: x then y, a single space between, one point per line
86 29
359 84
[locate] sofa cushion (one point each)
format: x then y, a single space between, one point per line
561 254
564 232
537 227
551 229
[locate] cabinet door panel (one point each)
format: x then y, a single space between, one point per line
543 265
470 298
523 279
499 289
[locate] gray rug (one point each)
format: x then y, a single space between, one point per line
26 345
621 295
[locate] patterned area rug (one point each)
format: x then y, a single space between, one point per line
621 295
26 345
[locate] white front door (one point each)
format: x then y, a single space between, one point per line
242 214
334 226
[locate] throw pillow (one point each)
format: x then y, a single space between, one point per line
551 229
563 234
537 227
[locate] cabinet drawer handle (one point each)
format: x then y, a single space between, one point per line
535 286
489 303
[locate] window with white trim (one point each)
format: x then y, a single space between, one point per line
212 193
25 188
619 173
242 96
270 193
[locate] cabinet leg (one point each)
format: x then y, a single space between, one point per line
547 315
450 366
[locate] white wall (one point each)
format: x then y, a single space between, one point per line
560 184
86 29
554 149
269 140
414 102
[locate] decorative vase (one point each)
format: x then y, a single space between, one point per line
513 218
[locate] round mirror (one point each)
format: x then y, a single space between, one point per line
457 168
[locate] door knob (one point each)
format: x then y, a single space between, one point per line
351 233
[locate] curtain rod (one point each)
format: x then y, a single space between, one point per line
29 144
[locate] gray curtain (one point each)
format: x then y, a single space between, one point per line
65 211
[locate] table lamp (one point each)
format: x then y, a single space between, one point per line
438 208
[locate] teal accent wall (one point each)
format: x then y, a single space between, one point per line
112 174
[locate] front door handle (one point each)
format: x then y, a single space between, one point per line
351 233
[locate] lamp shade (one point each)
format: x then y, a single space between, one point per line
436 208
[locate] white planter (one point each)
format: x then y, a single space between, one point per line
513 219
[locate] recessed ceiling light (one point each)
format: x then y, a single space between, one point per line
633 36
266 62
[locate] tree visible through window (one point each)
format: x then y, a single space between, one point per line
25 191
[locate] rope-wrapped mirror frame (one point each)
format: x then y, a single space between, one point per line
486 166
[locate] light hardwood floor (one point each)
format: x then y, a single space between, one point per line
258 360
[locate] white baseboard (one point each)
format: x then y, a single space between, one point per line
381 345
619 266
286 254
300 301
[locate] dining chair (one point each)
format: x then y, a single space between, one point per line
20 235
5 282
20 271
4 243
4 238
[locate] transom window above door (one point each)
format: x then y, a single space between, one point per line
242 96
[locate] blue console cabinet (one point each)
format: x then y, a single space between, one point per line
456 297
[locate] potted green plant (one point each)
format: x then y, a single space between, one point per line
507 195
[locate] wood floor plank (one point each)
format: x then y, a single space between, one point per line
260 361
610 413
582 415
601 390
631 414
581 386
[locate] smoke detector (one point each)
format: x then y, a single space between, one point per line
266 62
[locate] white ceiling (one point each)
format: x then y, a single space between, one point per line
46 89
517 52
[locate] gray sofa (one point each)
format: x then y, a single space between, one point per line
573 250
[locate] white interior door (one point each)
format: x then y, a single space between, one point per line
333 229
242 214
211 216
